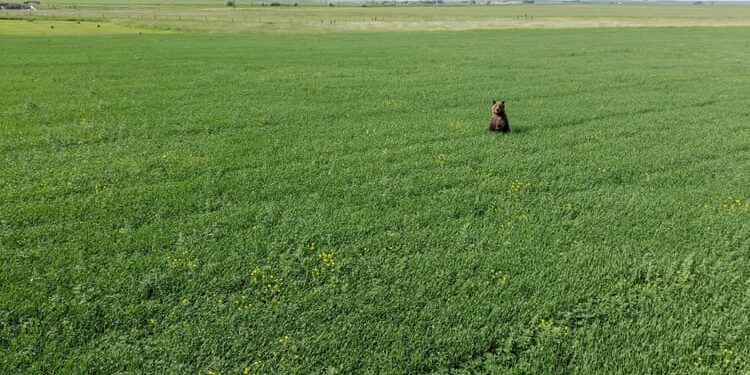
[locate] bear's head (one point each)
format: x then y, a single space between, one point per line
498 106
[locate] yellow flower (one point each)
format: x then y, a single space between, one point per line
727 354
516 186
499 277
442 159
697 359
255 274
327 259
733 204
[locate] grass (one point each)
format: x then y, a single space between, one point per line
57 28
278 203
322 19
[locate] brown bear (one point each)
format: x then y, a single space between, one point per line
499 120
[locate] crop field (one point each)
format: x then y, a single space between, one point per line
189 16
304 202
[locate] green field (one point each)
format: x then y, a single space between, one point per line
332 202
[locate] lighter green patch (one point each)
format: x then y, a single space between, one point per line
51 28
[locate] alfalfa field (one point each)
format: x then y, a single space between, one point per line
332 202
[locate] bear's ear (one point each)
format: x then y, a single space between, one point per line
502 102
494 101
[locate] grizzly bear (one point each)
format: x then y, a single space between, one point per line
499 120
